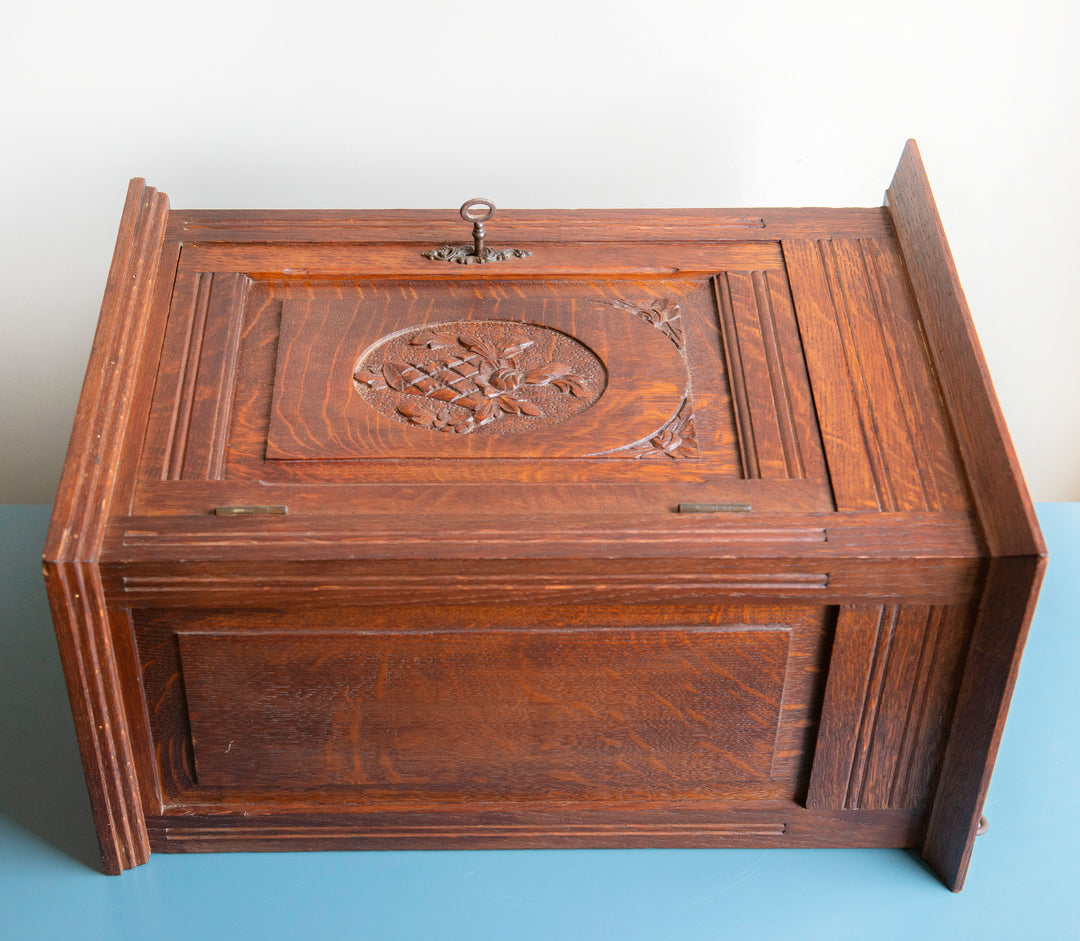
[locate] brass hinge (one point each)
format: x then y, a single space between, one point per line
713 508
251 510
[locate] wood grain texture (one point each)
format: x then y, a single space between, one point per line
194 392
869 369
523 715
1005 515
567 581
843 431
501 826
892 685
632 373
547 225
551 261
709 467
771 391
447 533
992 470
566 653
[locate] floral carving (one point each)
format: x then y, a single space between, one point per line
675 440
466 254
660 314
466 376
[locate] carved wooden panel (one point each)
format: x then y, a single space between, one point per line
521 371
892 687
310 399
526 712
288 407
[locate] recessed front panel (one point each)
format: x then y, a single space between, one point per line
524 713
345 705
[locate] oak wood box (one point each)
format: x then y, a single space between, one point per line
689 528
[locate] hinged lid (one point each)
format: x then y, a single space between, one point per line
630 363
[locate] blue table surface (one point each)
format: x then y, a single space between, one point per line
1022 881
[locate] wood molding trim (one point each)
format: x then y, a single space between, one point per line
77 529
90 468
94 688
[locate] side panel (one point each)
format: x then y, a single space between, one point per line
1005 514
82 507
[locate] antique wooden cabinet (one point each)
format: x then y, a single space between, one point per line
651 528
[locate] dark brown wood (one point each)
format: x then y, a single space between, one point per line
555 637
86 485
459 605
868 374
101 720
623 380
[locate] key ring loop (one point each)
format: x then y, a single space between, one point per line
477 209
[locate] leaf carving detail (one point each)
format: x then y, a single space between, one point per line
675 440
667 318
394 379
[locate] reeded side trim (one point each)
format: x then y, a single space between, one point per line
89 661
73 544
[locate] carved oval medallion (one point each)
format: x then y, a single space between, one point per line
479 376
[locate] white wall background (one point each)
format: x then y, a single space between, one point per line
567 103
